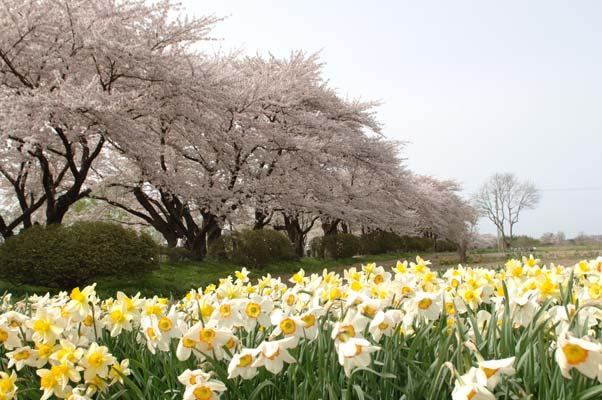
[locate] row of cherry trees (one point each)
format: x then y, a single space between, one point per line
113 100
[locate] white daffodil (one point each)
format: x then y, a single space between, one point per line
47 325
494 369
256 311
428 305
354 353
119 318
472 386
384 323
582 354
227 314
191 378
152 335
21 357
287 325
210 390
204 340
81 300
311 322
272 355
119 370
66 351
96 362
242 364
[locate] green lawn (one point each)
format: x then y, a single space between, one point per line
177 279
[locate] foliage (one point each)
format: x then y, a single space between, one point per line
445 245
340 245
378 242
64 256
176 254
524 241
316 247
526 331
253 248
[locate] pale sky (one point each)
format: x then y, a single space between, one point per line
475 87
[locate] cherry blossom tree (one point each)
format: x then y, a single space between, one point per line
74 76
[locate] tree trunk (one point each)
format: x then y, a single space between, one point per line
330 226
261 220
197 247
56 214
462 253
210 229
295 234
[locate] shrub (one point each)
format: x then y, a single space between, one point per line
176 254
65 256
445 246
525 241
340 245
417 243
255 248
316 247
222 248
379 242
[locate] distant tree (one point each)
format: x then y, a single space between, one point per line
502 199
560 237
550 238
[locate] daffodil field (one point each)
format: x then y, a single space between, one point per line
524 331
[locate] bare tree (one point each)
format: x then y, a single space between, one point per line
502 199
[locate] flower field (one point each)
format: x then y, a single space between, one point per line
524 331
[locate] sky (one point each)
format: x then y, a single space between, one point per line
472 87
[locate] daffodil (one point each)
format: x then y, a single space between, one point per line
384 323
242 364
96 362
580 353
354 353
471 386
272 355
8 387
494 369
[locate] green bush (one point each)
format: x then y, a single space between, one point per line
524 241
316 247
379 242
417 244
340 245
254 248
445 246
62 256
222 248
176 254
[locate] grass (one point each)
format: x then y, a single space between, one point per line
176 279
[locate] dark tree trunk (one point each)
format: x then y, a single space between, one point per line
213 228
197 247
330 226
462 253
78 167
261 220
173 219
295 234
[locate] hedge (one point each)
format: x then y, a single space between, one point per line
62 256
